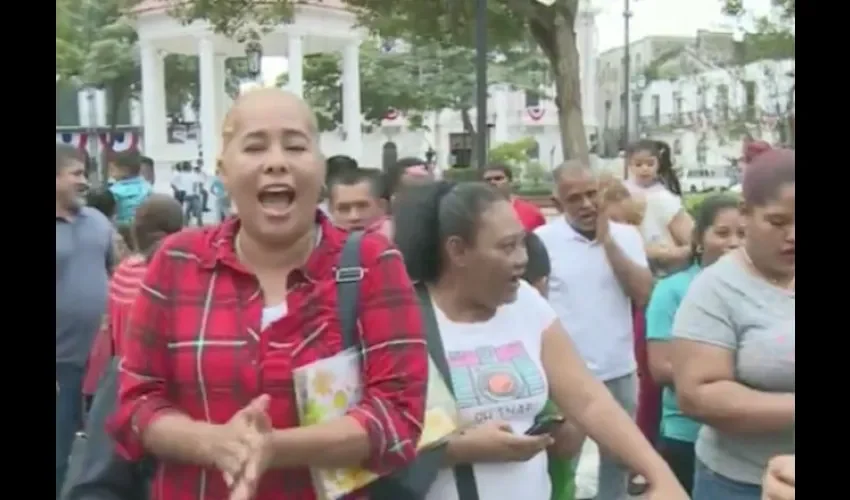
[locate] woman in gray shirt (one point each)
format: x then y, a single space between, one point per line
734 339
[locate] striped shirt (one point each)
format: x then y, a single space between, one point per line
123 289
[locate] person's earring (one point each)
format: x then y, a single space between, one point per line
698 250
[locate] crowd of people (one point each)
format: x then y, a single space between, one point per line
666 337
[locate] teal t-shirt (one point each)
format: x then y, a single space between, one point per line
666 297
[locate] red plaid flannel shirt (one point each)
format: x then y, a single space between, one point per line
200 308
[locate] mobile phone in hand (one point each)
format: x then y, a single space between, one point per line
546 425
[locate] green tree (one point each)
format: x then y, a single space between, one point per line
96 46
412 81
773 33
511 23
323 87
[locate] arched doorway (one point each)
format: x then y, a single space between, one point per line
389 155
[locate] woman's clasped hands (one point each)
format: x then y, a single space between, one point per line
241 448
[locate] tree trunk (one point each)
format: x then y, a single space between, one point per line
557 39
469 128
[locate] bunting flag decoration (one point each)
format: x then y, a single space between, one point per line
77 139
535 112
122 141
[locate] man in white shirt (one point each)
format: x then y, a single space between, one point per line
599 272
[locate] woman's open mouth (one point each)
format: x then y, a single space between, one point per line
276 200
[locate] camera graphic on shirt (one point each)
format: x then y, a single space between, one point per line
494 374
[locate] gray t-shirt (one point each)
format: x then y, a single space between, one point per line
83 257
727 306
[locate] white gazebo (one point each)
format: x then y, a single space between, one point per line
317 26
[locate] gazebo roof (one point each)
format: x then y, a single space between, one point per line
324 26
151 6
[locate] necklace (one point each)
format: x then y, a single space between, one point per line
773 281
240 253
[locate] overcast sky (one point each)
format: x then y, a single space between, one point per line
650 17
665 17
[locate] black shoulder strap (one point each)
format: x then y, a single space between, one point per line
467 489
348 275
432 334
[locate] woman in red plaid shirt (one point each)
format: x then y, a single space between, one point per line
228 311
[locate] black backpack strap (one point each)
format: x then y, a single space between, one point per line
348 275
464 475
432 334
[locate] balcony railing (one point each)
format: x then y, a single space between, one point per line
706 118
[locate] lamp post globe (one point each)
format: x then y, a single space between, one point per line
254 56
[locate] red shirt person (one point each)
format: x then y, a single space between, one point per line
227 312
501 176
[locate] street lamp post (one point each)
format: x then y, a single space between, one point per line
637 92
627 70
254 57
481 82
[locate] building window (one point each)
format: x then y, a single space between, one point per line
67 105
677 107
722 103
532 99
460 148
389 155
656 110
702 98
534 151
750 101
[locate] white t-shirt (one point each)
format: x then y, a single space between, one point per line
661 206
497 374
589 301
178 180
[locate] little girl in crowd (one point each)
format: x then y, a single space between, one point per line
666 226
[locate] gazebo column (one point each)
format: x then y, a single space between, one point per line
222 100
211 88
295 61
154 120
588 51
351 116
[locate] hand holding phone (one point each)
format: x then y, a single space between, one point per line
494 441
546 425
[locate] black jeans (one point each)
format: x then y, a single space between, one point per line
679 455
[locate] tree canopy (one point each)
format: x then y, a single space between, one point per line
773 35
411 80
511 24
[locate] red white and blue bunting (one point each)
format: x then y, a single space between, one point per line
78 140
535 112
121 141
